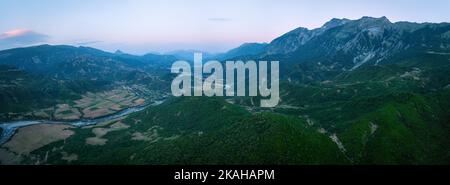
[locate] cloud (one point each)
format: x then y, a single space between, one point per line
218 19
21 37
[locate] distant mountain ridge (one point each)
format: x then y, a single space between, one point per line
189 54
246 49
366 40
292 40
63 61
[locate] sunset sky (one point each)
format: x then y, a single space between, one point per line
141 26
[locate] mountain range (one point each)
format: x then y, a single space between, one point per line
366 91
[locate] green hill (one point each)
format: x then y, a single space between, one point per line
202 131
408 129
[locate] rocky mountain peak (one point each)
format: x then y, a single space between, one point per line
335 22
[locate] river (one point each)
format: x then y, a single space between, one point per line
9 128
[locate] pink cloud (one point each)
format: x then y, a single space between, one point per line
21 37
15 33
